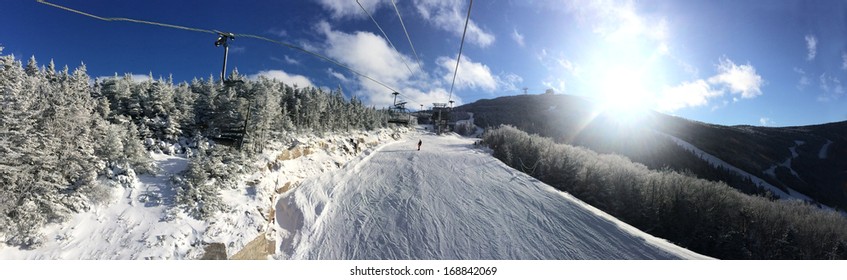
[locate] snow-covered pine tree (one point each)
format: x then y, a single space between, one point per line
205 107
265 113
134 150
183 115
32 67
49 123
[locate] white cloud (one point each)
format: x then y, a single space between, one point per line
824 82
279 75
449 15
291 61
337 75
557 84
558 66
688 94
804 80
558 62
570 66
831 88
370 54
688 68
434 95
367 53
518 37
471 74
811 46
349 8
736 79
619 21
740 79
509 82
766 121
844 61
279 32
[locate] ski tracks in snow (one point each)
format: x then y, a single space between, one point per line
448 201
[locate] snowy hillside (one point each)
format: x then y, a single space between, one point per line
327 198
142 220
448 201
715 161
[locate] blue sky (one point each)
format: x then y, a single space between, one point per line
773 63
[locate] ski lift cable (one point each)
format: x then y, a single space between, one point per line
126 19
461 46
288 45
420 67
386 36
410 99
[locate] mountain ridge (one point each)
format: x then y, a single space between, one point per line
756 150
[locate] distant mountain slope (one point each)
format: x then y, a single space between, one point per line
787 157
807 159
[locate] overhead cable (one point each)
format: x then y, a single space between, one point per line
385 36
126 19
461 46
407 35
288 45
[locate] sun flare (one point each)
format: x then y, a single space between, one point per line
624 93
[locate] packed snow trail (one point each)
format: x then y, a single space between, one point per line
448 201
824 150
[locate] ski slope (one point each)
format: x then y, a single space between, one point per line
448 201
715 161
824 150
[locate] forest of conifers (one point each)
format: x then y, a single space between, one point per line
66 138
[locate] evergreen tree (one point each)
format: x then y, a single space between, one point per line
58 133
184 115
32 67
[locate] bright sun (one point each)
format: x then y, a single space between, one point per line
624 93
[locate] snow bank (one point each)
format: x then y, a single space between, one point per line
137 224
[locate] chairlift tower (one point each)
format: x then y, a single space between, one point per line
395 97
440 122
223 40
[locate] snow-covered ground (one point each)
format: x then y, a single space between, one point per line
715 161
787 163
448 201
824 150
328 198
142 222
136 224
